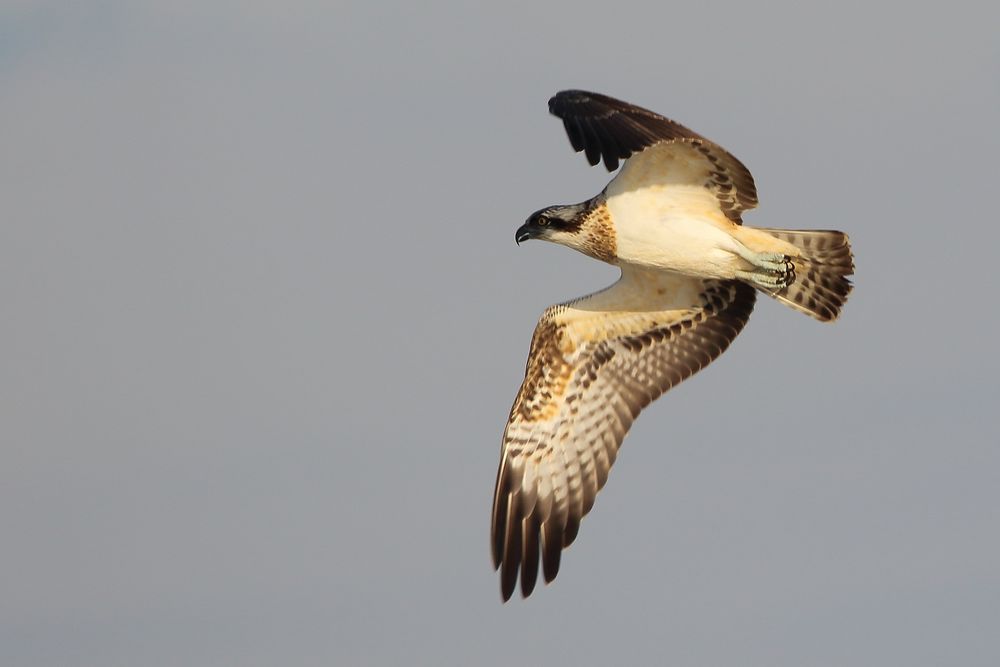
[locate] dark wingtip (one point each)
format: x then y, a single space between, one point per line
551 551
529 555
557 101
511 551
507 584
585 114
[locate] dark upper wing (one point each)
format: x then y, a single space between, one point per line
604 127
590 371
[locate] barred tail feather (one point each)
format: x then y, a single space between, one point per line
821 285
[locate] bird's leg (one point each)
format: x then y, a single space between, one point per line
772 270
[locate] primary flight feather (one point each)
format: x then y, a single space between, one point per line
671 219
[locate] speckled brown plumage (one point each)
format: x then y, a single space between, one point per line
547 372
590 372
600 240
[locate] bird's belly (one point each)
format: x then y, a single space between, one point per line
679 242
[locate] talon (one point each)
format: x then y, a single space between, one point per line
773 271
772 276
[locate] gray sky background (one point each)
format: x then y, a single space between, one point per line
263 320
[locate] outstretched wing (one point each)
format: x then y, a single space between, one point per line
604 127
594 364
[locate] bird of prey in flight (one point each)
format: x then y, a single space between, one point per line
671 220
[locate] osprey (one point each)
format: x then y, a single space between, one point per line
671 219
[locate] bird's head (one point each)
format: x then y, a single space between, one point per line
559 224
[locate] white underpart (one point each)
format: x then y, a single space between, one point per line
665 218
674 240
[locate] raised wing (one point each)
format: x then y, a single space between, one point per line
594 364
604 127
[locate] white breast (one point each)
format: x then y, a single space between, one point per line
665 218
674 229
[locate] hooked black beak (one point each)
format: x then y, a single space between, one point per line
523 233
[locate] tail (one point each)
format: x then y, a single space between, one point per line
821 286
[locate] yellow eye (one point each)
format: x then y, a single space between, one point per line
542 221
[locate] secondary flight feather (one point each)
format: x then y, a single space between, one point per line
671 219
